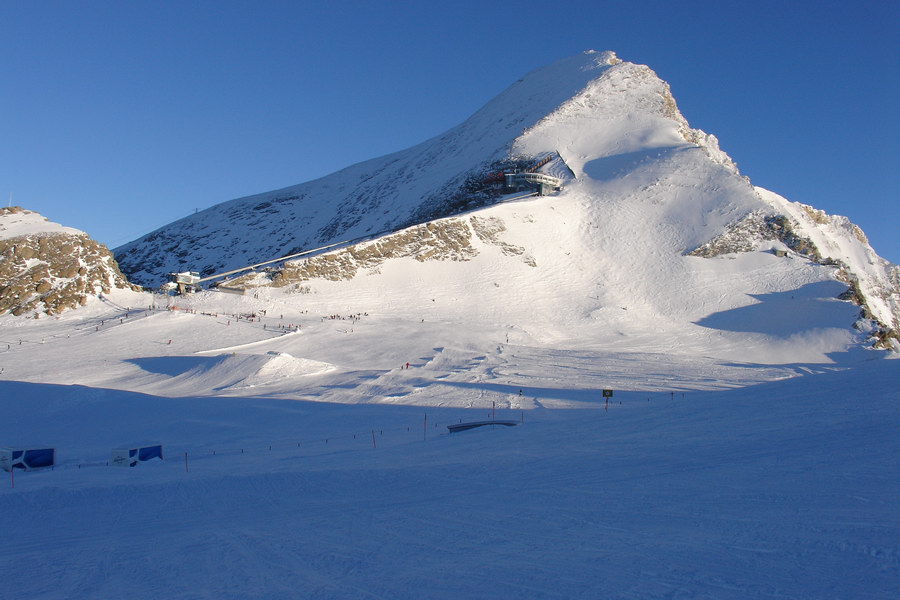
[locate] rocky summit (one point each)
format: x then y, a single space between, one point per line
46 268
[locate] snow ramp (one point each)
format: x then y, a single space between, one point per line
220 374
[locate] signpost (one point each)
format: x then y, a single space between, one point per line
607 394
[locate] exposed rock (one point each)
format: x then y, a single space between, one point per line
54 270
488 231
446 239
706 141
878 296
745 234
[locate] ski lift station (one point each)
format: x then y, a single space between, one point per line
187 281
543 184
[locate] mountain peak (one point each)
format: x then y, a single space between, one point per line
604 58
582 107
641 191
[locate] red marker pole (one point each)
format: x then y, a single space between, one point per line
373 439
185 463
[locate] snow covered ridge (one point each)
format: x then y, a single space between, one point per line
793 228
48 268
435 179
616 253
621 93
16 221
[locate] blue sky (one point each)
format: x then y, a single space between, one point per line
119 117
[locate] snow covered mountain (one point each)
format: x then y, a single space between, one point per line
655 234
48 268
749 450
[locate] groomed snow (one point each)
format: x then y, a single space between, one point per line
312 463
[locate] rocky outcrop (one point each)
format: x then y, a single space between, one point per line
744 235
451 239
53 270
874 285
488 231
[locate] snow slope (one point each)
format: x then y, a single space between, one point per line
329 473
836 238
18 222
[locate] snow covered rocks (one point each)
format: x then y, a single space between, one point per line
48 268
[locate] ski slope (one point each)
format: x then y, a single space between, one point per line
311 463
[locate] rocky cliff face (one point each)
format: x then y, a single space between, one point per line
47 268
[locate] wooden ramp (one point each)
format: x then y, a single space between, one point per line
474 424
